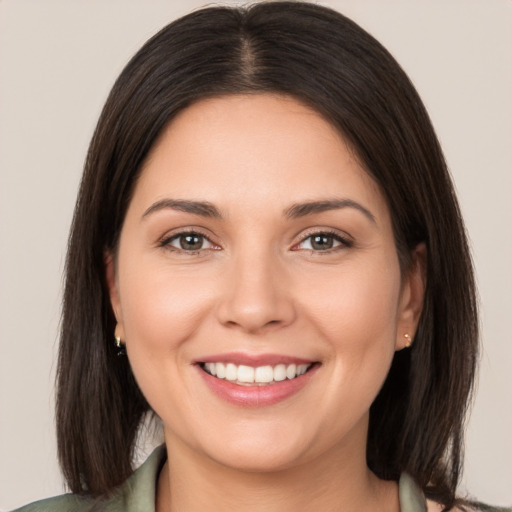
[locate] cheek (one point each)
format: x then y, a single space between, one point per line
161 311
357 319
357 307
160 305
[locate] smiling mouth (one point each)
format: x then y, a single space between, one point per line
255 376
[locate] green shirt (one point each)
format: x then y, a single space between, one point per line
137 494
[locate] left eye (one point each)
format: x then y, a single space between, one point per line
322 242
189 242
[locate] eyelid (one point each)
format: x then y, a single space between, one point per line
165 240
344 239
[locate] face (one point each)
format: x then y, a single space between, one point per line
257 285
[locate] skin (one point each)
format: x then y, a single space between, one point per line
258 285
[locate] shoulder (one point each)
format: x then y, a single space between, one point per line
412 499
481 507
76 503
63 503
432 506
136 494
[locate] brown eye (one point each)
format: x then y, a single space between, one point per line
189 242
323 241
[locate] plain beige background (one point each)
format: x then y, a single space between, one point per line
58 59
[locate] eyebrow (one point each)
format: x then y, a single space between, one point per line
202 208
297 210
302 209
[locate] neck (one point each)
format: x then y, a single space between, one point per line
333 481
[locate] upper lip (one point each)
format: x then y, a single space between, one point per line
254 360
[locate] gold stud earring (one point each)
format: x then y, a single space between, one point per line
408 341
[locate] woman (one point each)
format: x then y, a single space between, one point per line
267 253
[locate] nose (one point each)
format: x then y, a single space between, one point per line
256 297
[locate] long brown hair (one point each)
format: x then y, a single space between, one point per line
328 62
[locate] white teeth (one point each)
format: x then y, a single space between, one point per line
220 370
291 371
302 369
231 372
211 367
245 374
260 375
280 372
264 374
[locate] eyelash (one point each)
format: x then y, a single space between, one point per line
166 242
343 242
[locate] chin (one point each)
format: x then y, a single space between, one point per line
270 459
260 449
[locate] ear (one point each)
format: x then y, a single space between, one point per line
411 297
113 290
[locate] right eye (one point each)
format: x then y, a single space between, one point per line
189 241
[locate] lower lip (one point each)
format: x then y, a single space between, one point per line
256 396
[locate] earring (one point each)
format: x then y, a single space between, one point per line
408 341
121 347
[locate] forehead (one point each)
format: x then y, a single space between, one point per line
250 148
